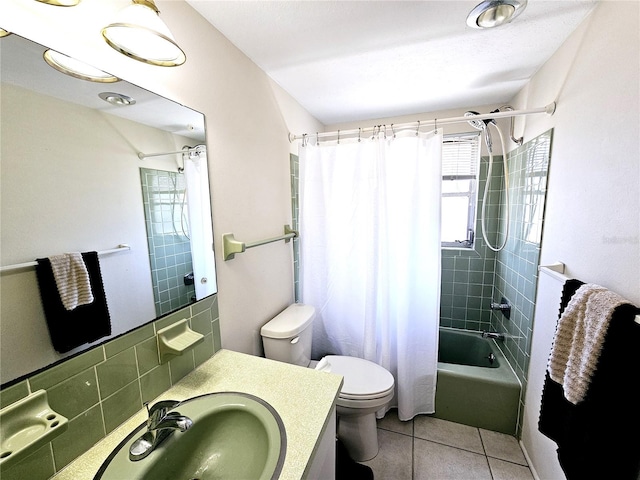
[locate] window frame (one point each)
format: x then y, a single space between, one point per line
472 194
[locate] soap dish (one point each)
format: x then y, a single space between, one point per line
26 425
176 339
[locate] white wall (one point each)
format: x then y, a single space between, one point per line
247 118
592 221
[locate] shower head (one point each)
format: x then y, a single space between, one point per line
481 125
478 124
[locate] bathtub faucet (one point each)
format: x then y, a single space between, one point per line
495 335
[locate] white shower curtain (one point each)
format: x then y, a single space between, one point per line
370 256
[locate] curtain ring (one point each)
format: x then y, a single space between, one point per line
304 139
385 131
393 132
359 133
338 137
317 139
435 125
418 129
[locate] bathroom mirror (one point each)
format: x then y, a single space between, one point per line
71 180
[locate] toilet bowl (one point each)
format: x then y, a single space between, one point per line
367 387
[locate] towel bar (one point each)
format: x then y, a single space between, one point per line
556 270
231 246
18 266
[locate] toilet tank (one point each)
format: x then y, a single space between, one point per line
287 337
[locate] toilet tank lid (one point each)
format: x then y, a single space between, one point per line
290 322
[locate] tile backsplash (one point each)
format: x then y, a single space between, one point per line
100 388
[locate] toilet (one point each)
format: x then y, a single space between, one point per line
367 387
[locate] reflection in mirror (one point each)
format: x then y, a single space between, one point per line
71 182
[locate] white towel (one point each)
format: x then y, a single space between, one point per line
579 338
72 279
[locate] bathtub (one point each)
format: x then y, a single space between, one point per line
475 384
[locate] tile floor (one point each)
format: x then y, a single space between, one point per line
428 448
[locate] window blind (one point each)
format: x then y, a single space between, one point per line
460 156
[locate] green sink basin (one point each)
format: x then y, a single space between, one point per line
234 436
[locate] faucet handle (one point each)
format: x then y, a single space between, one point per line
159 410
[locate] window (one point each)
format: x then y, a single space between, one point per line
460 165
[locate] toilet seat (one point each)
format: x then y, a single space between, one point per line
363 380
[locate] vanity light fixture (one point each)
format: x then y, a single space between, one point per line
118 99
70 66
139 33
493 13
4 33
61 3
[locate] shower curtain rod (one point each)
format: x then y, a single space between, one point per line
436 122
198 149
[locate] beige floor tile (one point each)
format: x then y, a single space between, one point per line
501 470
435 461
392 423
394 460
448 433
504 447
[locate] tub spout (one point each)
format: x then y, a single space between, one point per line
494 335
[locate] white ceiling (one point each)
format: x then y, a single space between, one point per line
360 60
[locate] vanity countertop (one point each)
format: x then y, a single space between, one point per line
303 397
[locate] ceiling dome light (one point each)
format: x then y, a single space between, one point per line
76 68
493 13
118 99
4 33
139 33
61 3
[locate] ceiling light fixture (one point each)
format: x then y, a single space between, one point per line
117 99
4 33
76 68
61 3
493 13
139 33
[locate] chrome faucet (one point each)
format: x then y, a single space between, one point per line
160 424
494 335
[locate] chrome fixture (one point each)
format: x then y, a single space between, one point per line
494 335
61 3
500 306
118 99
503 307
139 33
482 124
160 424
75 68
491 357
493 13
509 108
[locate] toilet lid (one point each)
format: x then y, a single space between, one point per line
362 378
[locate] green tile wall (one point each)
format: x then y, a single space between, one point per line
169 246
102 387
467 273
517 265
